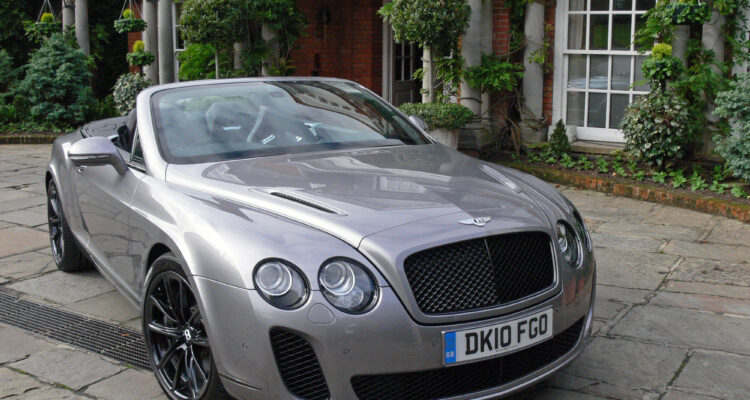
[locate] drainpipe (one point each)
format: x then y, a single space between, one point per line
151 39
165 42
82 25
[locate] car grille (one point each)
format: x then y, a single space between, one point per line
467 378
299 366
479 273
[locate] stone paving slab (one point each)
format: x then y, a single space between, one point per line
111 306
686 328
726 375
18 240
713 251
737 292
650 231
17 344
15 383
26 265
712 271
716 304
64 288
635 270
71 368
127 385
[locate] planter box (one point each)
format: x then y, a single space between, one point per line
448 137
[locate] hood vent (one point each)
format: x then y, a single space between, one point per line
308 203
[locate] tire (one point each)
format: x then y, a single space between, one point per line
176 337
65 250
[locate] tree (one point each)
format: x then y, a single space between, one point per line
219 23
436 26
57 82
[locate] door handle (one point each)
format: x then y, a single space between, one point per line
80 169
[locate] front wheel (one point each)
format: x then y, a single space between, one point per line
176 339
65 251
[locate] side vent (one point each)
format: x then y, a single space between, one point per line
308 203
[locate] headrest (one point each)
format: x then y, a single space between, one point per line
228 118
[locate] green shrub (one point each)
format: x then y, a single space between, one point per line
661 70
139 45
602 166
494 75
47 17
197 62
656 128
735 105
661 51
440 115
429 23
57 83
127 14
126 91
7 73
38 31
558 140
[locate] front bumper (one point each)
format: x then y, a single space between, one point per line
385 340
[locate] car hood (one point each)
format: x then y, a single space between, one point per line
356 193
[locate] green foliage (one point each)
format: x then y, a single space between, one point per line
57 83
602 166
639 175
738 192
558 140
661 51
7 73
659 177
139 45
284 18
585 164
449 72
655 128
127 14
566 161
734 104
440 115
494 75
126 90
696 180
433 24
661 70
140 58
38 31
126 25
689 12
619 170
104 108
533 157
678 179
721 172
216 22
632 165
197 62
719 188
47 17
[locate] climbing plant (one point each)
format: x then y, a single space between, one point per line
287 22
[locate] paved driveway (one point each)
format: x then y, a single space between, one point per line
672 311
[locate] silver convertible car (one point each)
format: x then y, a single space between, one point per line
303 239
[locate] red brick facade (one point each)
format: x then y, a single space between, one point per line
350 46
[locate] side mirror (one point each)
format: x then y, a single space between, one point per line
419 122
96 151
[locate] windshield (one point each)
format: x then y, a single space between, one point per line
240 120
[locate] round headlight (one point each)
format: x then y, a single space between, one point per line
569 243
347 285
583 232
280 284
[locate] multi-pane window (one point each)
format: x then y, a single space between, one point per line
603 67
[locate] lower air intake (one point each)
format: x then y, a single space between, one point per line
298 365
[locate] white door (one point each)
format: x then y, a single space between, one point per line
601 66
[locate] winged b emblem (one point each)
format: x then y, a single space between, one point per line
478 221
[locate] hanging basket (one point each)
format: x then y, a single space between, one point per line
127 25
140 58
127 22
685 13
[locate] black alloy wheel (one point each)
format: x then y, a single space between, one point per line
176 338
65 251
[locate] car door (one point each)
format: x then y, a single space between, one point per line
104 198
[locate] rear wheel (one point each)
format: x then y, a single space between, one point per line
176 339
65 251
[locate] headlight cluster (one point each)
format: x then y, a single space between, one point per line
569 243
344 283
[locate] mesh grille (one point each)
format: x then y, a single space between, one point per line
114 341
299 366
480 273
467 378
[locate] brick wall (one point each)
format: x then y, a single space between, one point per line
351 47
549 18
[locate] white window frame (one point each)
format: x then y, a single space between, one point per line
560 77
175 41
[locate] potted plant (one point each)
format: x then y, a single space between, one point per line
444 120
686 12
128 23
47 24
139 56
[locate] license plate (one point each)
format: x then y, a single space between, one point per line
493 340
